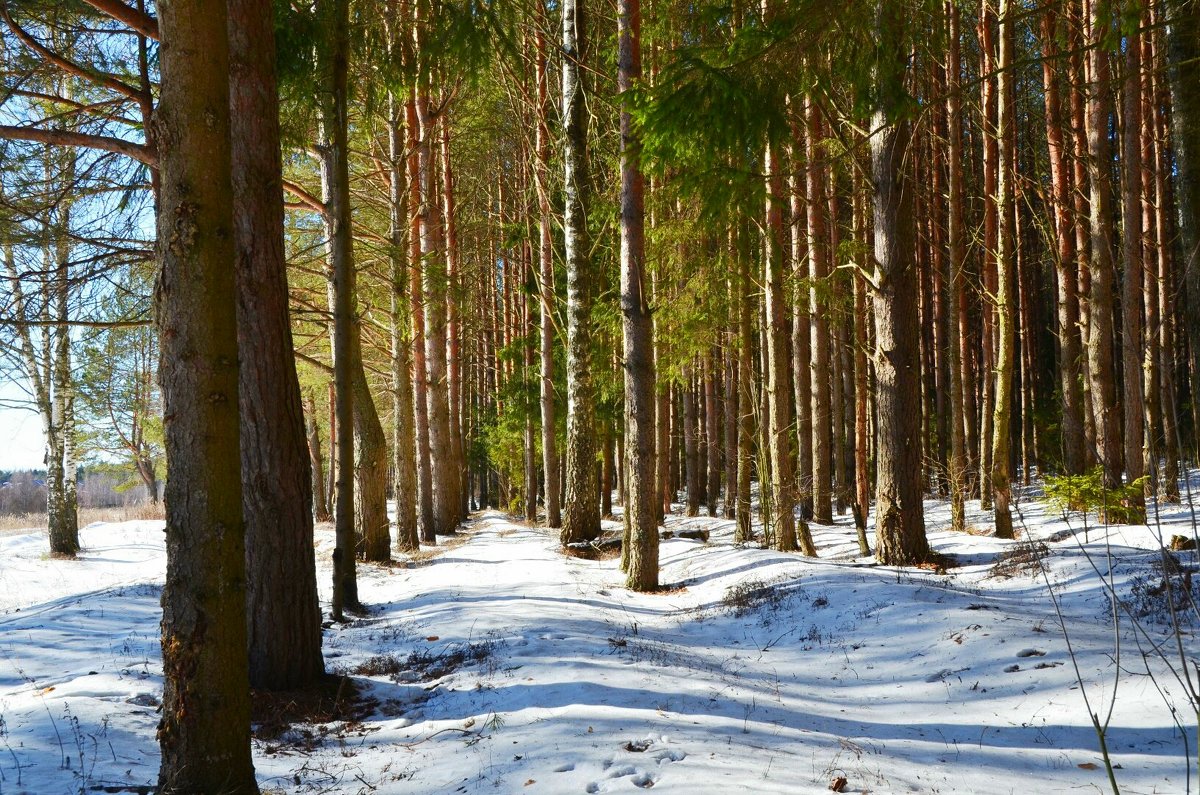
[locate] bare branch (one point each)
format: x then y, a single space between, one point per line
306 198
140 21
67 65
104 143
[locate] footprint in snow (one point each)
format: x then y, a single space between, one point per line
643 780
670 756
565 768
1031 653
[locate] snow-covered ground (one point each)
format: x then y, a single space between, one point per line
504 666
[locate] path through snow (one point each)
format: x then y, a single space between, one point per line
506 667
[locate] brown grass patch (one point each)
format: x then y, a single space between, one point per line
38 522
1025 557
333 699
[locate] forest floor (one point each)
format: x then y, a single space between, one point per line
497 664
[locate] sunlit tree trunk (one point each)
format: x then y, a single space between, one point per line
581 517
956 251
204 731
1183 53
1132 398
1100 344
1001 476
335 186
282 610
818 257
546 296
900 518
1070 381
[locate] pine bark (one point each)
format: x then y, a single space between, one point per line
744 530
900 520
204 732
436 286
546 297
1183 53
426 522
404 461
786 535
1070 379
1133 396
956 251
637 327
712 491
818 257
282 610
1001 475
335 185
321 512
1101 368
581 517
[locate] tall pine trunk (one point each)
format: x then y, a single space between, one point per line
581 517
282 610
1101 365
956 251
900 519
335 184
641 508
1005 337
204 732
546 297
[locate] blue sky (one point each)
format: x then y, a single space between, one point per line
22 445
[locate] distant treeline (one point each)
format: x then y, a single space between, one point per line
25 491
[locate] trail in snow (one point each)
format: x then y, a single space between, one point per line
504 666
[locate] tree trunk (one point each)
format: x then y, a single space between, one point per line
426 522
321 511
991 231
712 492
62 511
1183 53
730 405
861 505
956 251
283 612
1132 398
691 455
1070 383
786 535
1005 309
436 285
1100 345
335 184
1166 283
640 510
404 462
801 335
457 461
744 531
818 257
581 519
900 520
204 732
546 295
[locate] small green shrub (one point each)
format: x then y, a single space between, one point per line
1087 493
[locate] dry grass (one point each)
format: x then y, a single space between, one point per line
428 553
15 523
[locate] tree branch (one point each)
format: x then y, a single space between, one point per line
140 21
68 138
306 198
67 65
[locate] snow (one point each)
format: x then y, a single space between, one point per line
521 670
